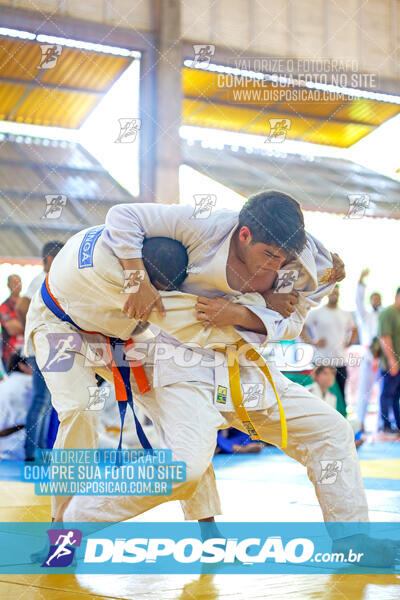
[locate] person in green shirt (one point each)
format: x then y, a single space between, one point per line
389 335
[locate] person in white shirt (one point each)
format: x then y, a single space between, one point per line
368 324
331 331
40 409
15 398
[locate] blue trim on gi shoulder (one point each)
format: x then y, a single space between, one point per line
86 249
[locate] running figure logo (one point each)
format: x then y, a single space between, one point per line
97 397
204 203
62 351
203 54
330 469
132 281
278 129
63 543
252 394
358 204
50 54
286 280
128 130
54 206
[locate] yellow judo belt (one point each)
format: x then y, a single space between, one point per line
236 389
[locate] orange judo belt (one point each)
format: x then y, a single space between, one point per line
120 366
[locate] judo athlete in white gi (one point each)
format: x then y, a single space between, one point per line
227 256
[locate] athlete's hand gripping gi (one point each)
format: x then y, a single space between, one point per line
317 435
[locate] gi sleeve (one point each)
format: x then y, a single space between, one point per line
128 224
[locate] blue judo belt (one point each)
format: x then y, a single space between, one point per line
121 368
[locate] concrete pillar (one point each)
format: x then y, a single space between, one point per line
168 114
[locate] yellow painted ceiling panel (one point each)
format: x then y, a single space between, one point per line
332 134
49 107
196 82
9 96
19 59
87 70
368 111
246 120
240 119
219 100
315 108
245 91
75 70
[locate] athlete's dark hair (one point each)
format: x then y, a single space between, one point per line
165 261
51 249
15 360
274 218
321 368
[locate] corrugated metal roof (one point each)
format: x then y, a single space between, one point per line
321 184
76 183
62 95
216 100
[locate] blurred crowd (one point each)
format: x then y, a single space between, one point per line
28 422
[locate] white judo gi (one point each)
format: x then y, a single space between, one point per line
184 404
93 298
15 400
317 435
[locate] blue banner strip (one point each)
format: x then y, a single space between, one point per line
181 548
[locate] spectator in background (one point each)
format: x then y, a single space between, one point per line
389 334
368 324
40 409
332 331
15 398
12 330
323 379
233 441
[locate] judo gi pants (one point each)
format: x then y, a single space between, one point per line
183 415
187 423
318 437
